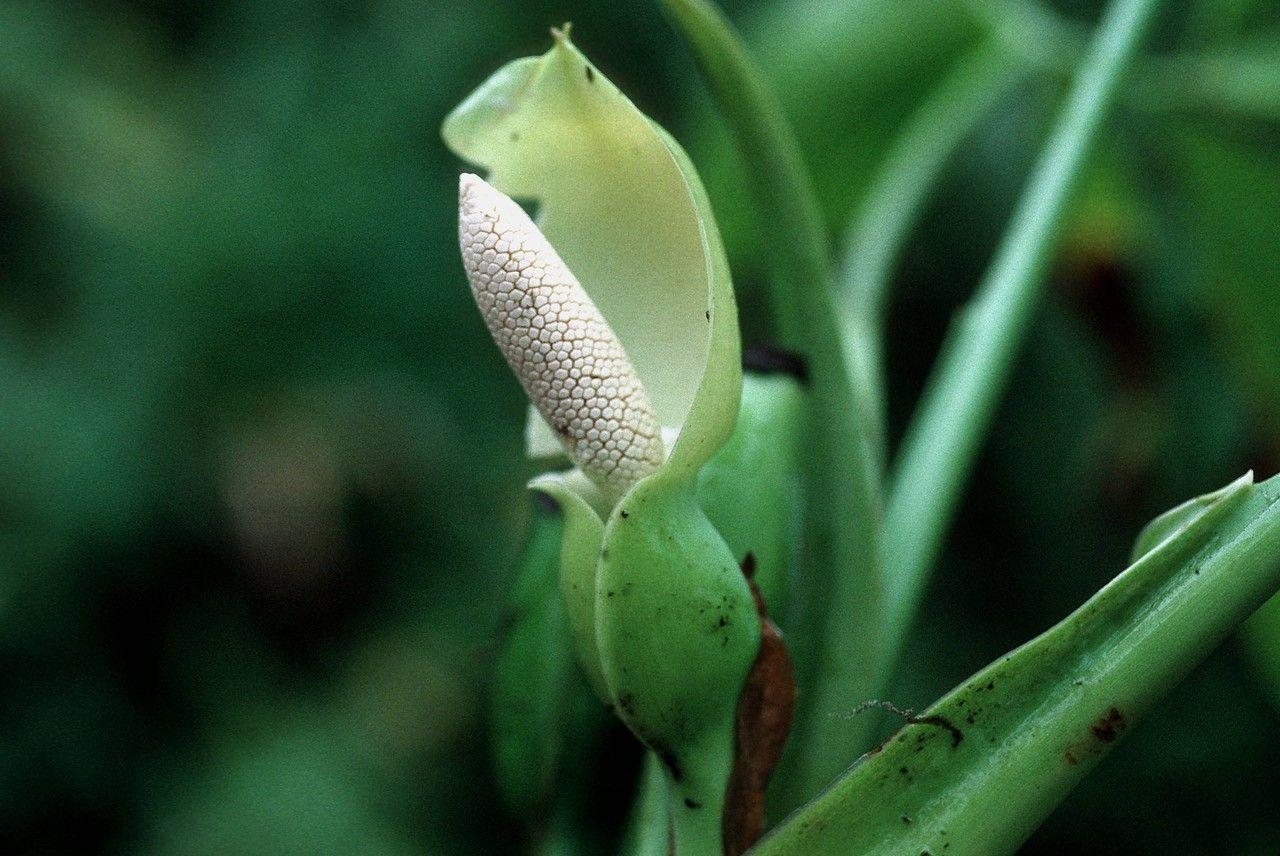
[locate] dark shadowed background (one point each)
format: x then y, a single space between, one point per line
261 478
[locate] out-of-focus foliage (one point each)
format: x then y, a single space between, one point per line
261 466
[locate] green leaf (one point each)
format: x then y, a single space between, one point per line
1174 521
1227 188
1227 185
978 771
531 675
622 205
581 539
1243 79
945 432
752 489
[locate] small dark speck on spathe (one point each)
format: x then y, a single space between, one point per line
708 314
591 75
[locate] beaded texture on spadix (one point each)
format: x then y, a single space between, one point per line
567 357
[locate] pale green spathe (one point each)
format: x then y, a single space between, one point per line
620 202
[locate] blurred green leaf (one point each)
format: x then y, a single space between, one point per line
531 679
1231 184
959 400
847 75
879 230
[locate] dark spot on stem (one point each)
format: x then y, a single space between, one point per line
1108 727
749 565
1071 758
670 761
627 702
692 803
910 717
941 722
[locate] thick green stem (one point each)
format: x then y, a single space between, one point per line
835 634
696 795
955 411
649 830
876 238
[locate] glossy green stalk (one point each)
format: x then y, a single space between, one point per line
976 773
943 438
879 229
835 636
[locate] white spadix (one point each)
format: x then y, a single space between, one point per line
567 357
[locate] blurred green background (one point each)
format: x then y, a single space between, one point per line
260 465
